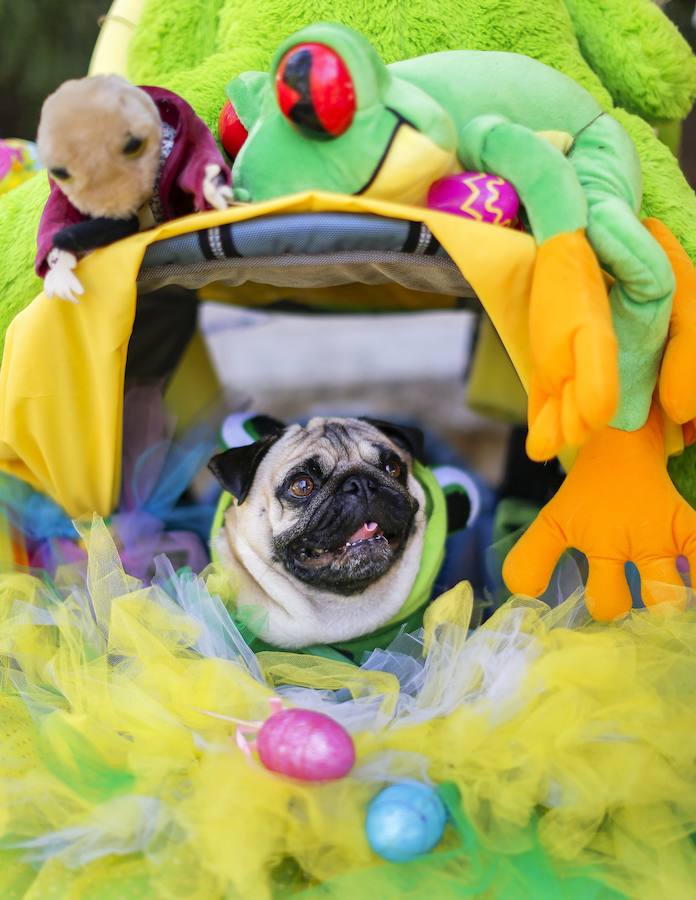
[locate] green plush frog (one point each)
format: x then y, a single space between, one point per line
331 116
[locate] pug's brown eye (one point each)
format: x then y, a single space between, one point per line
133 147
393 468
60 173
302 486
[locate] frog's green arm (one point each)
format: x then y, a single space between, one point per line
545 180
598 188
641 296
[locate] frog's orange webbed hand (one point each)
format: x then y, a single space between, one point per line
617 504
575 384
574 388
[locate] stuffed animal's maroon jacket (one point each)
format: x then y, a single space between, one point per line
180 183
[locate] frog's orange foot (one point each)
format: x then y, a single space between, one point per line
617 504
575 380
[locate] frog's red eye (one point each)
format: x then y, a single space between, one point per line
315 90
232 132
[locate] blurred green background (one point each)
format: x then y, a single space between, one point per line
42 42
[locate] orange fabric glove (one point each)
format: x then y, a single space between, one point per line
574 389
678 372
617 504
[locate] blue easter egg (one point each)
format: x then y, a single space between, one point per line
405 820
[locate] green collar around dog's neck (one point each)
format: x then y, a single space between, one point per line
410 615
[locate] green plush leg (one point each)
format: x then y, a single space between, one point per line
641 297
545 180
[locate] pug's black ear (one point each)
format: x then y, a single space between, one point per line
235 469
410 439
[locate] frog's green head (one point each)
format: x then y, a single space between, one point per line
332 117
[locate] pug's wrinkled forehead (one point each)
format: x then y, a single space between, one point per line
339 443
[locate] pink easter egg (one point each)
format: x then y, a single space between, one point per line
305 744
476 195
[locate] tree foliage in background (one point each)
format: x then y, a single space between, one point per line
42 42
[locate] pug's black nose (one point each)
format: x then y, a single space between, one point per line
359 484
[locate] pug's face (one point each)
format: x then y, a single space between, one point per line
326 532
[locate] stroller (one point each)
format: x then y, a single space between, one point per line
120 701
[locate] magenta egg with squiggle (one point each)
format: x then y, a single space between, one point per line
480 196
304 744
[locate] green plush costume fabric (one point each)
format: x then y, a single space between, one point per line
637 53
622 51
20 210
196 46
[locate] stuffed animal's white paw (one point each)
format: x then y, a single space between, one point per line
60 281
215 188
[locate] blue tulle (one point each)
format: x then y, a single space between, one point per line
31 513
180 464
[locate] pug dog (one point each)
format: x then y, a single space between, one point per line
325 534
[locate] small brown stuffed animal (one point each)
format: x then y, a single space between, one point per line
119 158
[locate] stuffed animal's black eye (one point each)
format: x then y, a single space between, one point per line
133 146
302 486
60 173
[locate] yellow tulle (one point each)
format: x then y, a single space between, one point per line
116 782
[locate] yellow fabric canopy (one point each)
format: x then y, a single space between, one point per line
62 373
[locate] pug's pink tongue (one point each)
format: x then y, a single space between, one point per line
365 532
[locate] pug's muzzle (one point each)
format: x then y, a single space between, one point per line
351 533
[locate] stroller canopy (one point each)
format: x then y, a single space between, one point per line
62 375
